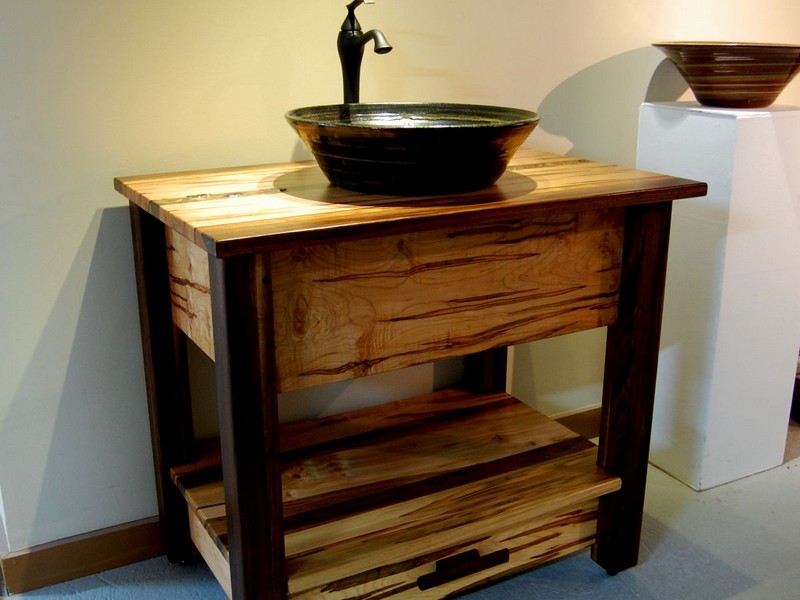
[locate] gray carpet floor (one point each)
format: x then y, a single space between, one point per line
740 540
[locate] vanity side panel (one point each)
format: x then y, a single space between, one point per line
190 290
366 306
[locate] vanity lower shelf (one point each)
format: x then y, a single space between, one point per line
419 498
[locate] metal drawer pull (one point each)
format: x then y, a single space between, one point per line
454 567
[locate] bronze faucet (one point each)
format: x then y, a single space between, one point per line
351 44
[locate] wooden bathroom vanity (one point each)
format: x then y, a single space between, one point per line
287 282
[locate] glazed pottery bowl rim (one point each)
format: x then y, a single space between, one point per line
507 116
712 44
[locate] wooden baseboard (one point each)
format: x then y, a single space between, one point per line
81 555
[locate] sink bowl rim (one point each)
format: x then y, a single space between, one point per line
700 44
511 116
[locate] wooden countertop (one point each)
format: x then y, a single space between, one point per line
244 210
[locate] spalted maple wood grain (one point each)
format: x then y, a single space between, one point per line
372 500
190 290
253 209
365 306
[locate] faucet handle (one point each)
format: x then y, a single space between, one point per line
356 3
351 23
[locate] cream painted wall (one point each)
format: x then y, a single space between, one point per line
92 89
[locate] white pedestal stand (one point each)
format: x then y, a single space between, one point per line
732 308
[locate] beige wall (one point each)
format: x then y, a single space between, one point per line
92 89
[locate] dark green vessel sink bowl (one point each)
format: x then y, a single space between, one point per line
412 148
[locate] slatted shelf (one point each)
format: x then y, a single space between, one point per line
418 498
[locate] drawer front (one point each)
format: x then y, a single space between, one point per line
444 570
344 310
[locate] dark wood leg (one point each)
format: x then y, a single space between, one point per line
485 372
167 380
247 399
632 348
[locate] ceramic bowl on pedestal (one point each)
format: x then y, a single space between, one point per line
734 74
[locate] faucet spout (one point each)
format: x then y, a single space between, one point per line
351 43
382 45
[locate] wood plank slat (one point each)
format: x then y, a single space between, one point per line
358 427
